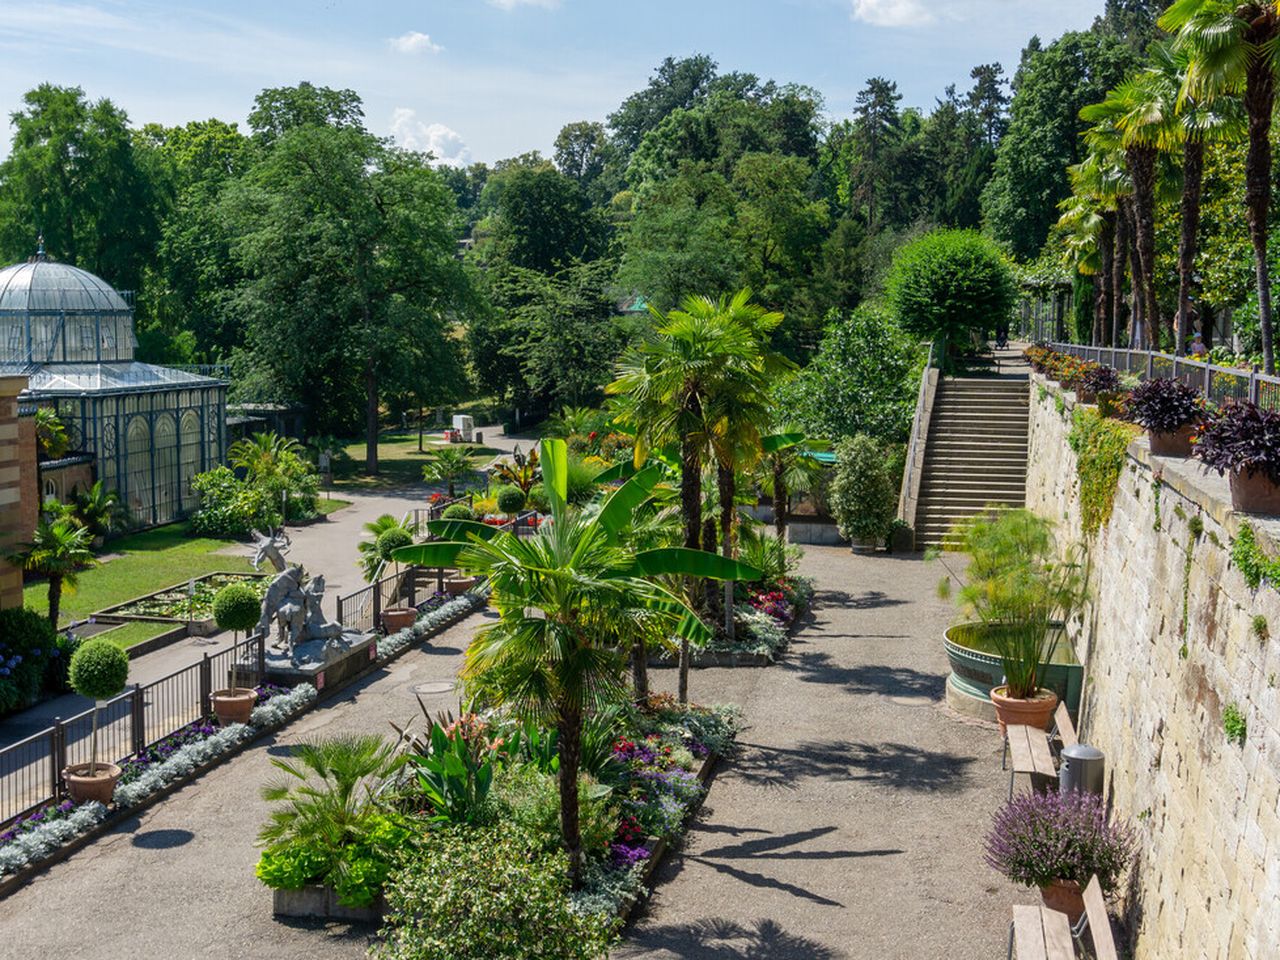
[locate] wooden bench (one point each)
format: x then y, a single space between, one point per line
1028 753
1063 729
1038 933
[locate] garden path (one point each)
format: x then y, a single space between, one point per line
850 825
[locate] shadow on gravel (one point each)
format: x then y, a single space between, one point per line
162 839
717 939
815 667
870 600
895 765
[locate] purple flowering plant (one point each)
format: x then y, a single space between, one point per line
1037 838
160 751
46 814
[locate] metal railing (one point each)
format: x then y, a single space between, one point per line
909 495
1213 382
31 769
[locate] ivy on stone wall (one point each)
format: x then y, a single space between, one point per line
1099 444
1254 565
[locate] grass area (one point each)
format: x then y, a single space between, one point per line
146 562
130 634
399 461
326 505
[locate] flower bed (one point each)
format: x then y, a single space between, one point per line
764 616
439 610
173 603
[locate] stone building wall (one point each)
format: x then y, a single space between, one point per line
17 469
1171 644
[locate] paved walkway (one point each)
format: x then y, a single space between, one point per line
850 826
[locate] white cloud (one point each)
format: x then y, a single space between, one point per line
891 13
443 143
414 42
512 4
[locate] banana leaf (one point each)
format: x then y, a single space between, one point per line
681 561
462 529
555 473
437 553
618 509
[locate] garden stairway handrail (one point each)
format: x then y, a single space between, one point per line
909 495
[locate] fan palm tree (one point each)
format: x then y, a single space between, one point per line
370 558
261 455
98 509
789 468
1231 50
1094 224
570 601
59 550
449 465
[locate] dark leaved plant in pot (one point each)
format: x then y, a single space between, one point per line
99 671
1242 440
1057 842
1022 595
1169 411
1094 380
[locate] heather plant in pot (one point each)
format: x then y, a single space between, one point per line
1022 593
1058 842
1168 410
1242 440
99 671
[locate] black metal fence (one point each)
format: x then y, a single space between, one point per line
31 769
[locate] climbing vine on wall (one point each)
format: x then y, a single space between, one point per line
1100 445
1252 563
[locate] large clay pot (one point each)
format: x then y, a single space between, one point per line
1254 492
864 544
1065 896
1035 712
457 586
234 704
83 787
395 619
1175 443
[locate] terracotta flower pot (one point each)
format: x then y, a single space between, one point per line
1085 396
395 619
1174 443
457 586
1254 492
83 787
234 704
1035 711
1065 896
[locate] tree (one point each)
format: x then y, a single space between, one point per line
989 102
277 110
567 600
949 284
348 246
58 551
675 84
1232 50
877 129
580 151
448 466
543 219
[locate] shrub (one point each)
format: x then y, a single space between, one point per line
1163 405
99 669
391 540
511 500
580 480
1241 436
29 650
1235 725
1037 838
231 506
530 799
1099 379
236 607
458 511
948 283
487 893
862 498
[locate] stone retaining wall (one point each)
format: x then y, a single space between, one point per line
1170 646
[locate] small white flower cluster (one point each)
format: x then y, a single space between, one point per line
426 624
181 763
758 632
282 707
38 843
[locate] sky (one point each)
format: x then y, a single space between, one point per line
487 79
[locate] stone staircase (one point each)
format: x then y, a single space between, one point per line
976 452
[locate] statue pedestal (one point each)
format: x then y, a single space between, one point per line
321 667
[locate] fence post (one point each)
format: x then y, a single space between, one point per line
413 586
1208 380
1150 364
138 720
57 758
1253 384
262 655
377 604
206 686
340 620
1175 367
439 579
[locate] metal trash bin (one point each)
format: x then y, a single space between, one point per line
1083 768
479 437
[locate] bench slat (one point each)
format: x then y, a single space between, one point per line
1095 908
1019 749
1066 729
1057 935
1028 933
1041 757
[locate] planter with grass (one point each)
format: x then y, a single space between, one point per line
236 607
99 671
1168 410
1242 440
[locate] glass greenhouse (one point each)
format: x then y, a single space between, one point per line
150 428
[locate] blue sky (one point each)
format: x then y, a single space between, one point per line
486 79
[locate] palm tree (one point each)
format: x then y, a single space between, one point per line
370 557
58 550
261 455
98 509
789 468
51 434
1231 49
449 465
1095 224
570 601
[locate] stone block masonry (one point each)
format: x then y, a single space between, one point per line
1171 644
17 485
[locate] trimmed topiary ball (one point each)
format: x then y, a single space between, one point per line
392 540
236 607
458 511
99 669
511 500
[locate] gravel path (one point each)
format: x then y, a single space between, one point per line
850 825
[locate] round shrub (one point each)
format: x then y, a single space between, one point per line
28 648
391 540
950 282
99 669
458 511
862 497
488 893
236 607
511 500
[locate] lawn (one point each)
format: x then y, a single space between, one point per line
326 505
399 461
141 563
